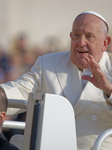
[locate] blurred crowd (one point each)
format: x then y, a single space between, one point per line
20 56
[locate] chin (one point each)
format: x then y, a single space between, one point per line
80 64
83 66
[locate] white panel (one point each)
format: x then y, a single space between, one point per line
58 125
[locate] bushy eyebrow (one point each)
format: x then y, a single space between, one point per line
86 33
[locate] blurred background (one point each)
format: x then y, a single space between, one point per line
30 28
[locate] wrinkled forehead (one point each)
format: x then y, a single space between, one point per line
94 15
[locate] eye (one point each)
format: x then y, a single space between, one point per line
75 36
90 37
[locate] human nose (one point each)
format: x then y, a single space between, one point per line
82 41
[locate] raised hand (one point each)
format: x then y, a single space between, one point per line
98 77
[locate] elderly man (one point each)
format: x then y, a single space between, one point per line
67 74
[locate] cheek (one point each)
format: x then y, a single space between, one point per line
73 43
97 53
72 56
73 47
73 50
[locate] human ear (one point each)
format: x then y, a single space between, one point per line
70 34
2 117
107 41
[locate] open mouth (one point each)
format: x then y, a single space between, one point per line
82 51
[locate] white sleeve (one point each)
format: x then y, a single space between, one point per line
28 82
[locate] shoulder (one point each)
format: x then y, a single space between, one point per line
106 58
53 58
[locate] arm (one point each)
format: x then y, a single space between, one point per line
20 88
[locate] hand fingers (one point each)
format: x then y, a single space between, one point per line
89 64
87 78
92 64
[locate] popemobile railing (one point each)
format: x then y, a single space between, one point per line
101 138
14 103
46 116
